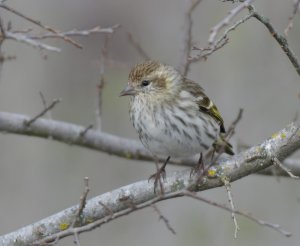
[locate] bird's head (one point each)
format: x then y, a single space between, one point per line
152 79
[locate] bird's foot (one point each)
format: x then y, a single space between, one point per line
159 175
158 178
198 168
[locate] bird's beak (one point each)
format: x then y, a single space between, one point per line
128 91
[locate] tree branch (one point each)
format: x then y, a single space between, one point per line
39 23
279 38
89 138
220 43
184 63
226 21
72 134
34 43
141 193
76 33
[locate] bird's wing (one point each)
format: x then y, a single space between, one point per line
205 104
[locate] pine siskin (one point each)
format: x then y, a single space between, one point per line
172 114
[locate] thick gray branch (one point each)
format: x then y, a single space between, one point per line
71 134
105 206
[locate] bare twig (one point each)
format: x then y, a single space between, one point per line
27 123
184 62
225 22
279 38
76 239
291 18
24 39
137 46
231 128
75 33
32 40
164 219
275 227
82 203
100 86
230 200
83 132
284 168
2 38
45 104
220 43
43 99
206 52
39 23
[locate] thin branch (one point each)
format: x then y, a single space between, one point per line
82 203
76 33
100 86
285 169
137 46
184 62
24 39
27 123
83 132
43 99
225 22
141 193
279 38
39 23
275 227
164 219
76 239
231 128
230 200
206 52
220 43
45 104
291 18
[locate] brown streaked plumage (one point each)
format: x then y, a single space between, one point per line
172 115
141 70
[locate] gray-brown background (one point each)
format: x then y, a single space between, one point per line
40 177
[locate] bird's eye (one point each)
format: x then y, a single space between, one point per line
145 83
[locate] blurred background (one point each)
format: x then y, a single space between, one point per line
40 177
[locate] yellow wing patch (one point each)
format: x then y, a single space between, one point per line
210 108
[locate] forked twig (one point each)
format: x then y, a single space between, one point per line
82 202
40 24
226 21
27 123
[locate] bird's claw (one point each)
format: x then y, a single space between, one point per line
199 167
157 177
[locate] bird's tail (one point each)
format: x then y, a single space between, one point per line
222 145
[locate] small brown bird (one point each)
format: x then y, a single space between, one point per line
172 114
